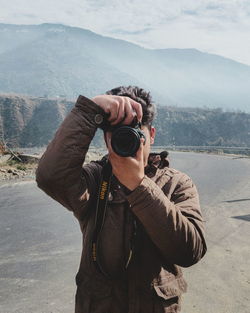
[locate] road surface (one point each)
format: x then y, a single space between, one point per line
40 243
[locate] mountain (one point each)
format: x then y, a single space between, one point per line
52 60
28 121
31 122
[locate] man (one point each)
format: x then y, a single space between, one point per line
151 226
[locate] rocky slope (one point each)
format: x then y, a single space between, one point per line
32 122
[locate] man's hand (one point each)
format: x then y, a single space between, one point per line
121 109
128 170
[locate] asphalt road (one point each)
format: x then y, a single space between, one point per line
40 243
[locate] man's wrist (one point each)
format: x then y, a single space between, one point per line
134 184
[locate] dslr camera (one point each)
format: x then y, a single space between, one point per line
125 139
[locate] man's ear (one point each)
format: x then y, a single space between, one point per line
152 135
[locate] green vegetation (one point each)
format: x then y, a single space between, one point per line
12 163
32 122
21 167
202 127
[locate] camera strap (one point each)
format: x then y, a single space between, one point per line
101 209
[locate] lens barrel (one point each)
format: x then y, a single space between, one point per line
125 140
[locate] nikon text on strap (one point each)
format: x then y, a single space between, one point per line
101 208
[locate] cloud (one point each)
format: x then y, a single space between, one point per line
219 26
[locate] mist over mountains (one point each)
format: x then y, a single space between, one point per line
56 60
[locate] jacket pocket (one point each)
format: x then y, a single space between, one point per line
168 285
167 300
166 292
168 295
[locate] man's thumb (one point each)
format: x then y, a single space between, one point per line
139 154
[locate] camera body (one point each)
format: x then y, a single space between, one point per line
125 139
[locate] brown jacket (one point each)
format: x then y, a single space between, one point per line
165 207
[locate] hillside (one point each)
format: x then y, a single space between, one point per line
29 122
55 60
202 127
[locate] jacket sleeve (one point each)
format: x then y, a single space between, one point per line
176 226
60 172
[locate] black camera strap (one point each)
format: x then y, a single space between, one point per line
101 208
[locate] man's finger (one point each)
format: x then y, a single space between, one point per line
139 153
109 143
112 154
138 109
121 113
130 114
113 111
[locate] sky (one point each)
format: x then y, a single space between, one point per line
221 27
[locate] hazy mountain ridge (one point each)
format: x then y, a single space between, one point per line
202 127
56 60
29 122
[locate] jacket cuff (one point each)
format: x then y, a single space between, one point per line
146 191
93 112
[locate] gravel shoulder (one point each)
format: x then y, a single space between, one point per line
13 172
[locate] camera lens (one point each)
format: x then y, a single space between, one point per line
125 141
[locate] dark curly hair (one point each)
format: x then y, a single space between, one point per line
140 95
